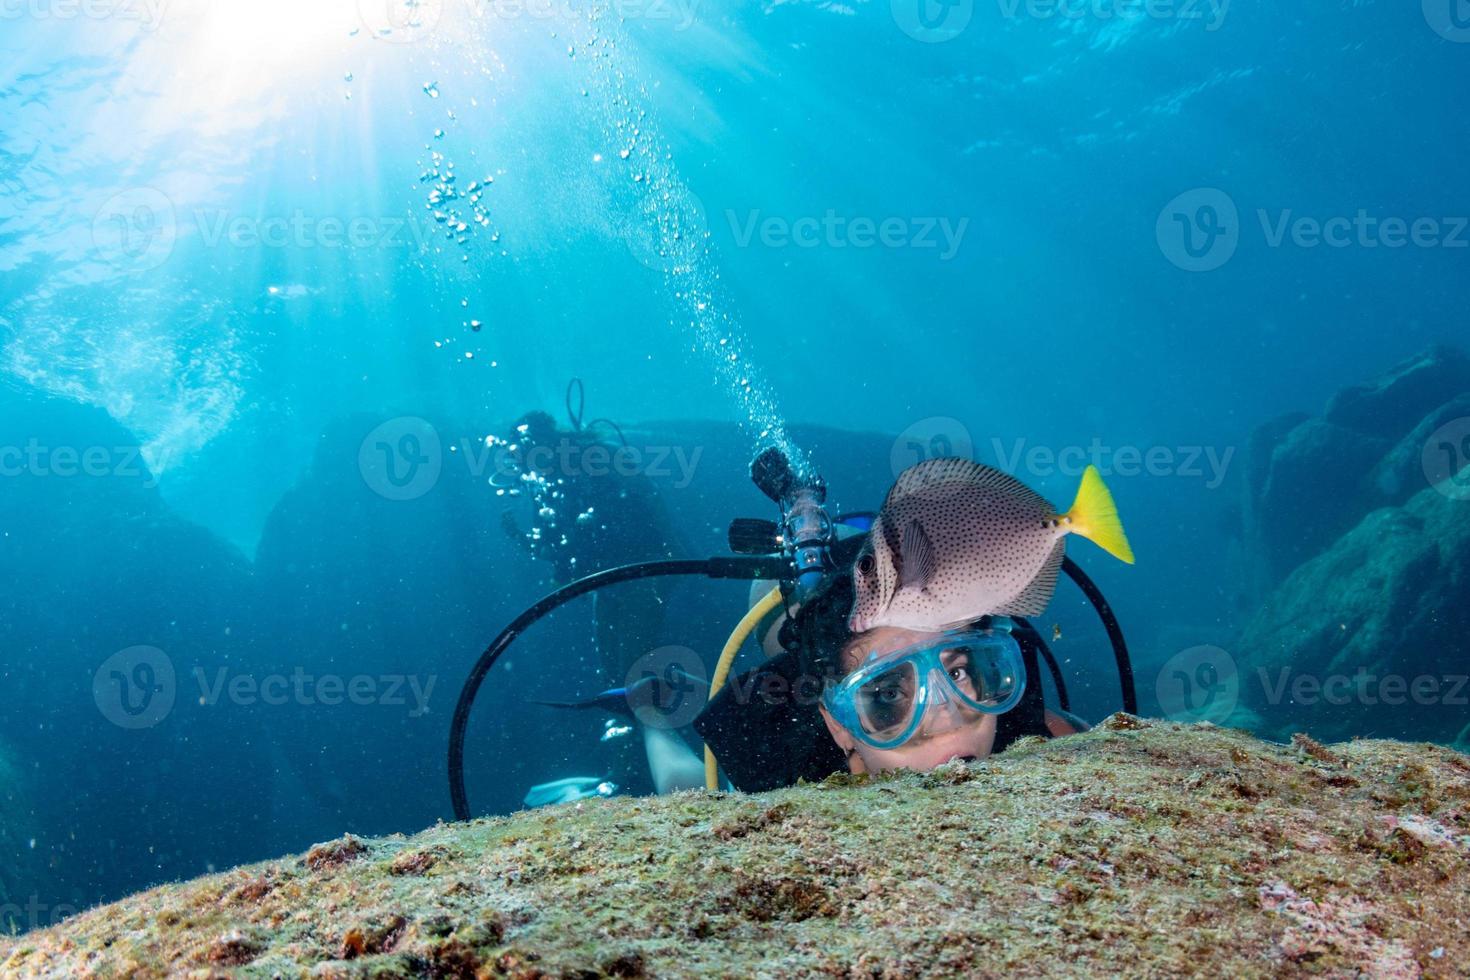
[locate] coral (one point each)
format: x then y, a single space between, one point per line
1143 848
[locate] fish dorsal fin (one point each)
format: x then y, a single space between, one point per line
920 563
936 472
1034 599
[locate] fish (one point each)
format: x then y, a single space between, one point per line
624 701
957 540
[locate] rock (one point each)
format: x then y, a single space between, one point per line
1311 492
1388 600
1261 448
1249 857
1400 474
93 563
1394 403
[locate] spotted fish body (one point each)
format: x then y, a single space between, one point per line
957 540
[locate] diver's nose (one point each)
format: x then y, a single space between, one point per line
941 714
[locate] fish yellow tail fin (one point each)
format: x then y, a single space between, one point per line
1095 517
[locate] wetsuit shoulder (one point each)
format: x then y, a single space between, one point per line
766 730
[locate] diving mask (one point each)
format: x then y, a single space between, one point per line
971 673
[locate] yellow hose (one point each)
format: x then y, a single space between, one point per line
743 630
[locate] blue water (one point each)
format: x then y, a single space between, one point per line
230 249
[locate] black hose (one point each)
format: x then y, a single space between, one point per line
1063 699
717 568
1115 632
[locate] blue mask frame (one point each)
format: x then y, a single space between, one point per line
995 655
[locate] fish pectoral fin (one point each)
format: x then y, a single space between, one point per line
920 563
1094 515
1034 599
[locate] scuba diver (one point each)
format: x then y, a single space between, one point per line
832 700
588 512
903 648
887 664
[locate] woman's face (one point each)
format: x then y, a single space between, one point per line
940 737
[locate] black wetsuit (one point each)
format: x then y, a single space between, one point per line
767 735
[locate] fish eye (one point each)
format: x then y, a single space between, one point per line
867 564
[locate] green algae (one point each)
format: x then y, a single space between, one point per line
1142 848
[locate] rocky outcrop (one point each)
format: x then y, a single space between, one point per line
1141 849
1369 637
1312 479
1394 403
128 786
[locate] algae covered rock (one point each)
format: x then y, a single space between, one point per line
1142 848
1363 639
